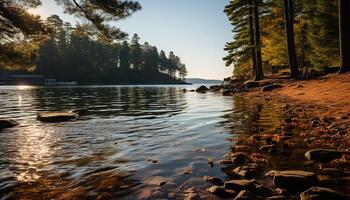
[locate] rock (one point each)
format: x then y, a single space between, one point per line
226 92
323 155
239 158
277 198
214 180
267 147
202 89
246 195
293 180
249 171
315 123
220 192
7 123
104 196
320 193
239 184
80 111
56 116
252 84
271 87
216 88
240 148
328 120
107 184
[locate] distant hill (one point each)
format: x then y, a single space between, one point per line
202 81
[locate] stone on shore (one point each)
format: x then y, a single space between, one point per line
216 88
7 123
246 195
56 116
293 180
249 171
239 184
271 87
320 193
239 158
214 180
202 89
221 192
323 155
227 92
252 84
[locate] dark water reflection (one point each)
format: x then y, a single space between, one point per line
109 150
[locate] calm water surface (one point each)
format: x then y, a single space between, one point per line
110 149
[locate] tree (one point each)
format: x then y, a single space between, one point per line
19 28
289 25
163 62
259 70
344 34
136 58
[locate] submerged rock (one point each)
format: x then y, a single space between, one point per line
7 123
320 193
56 116
80 111
239 184
293 180
214 180
323 155
271 87
202 89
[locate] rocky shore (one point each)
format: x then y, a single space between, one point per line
306 157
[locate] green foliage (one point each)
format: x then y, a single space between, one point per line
17 26
315 30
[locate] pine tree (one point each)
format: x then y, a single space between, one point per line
289 24
344 34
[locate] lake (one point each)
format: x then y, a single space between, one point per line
136 142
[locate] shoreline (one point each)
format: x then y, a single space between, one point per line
313 135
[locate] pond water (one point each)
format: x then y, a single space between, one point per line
136 141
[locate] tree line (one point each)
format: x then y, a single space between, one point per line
72 54
270 35
93 52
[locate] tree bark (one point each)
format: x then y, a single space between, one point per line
289 25
252 40
344 35
260 73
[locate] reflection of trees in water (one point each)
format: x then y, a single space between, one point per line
247 117
112 101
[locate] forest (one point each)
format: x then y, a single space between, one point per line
273 35
79 53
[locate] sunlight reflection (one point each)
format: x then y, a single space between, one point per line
24 87
20 100
35 148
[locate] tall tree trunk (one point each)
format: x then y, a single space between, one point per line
344 35
260 73
252 40
289 24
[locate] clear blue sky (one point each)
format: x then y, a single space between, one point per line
196 30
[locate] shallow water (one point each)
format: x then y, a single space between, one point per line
111 149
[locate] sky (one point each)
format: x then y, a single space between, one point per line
196 30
